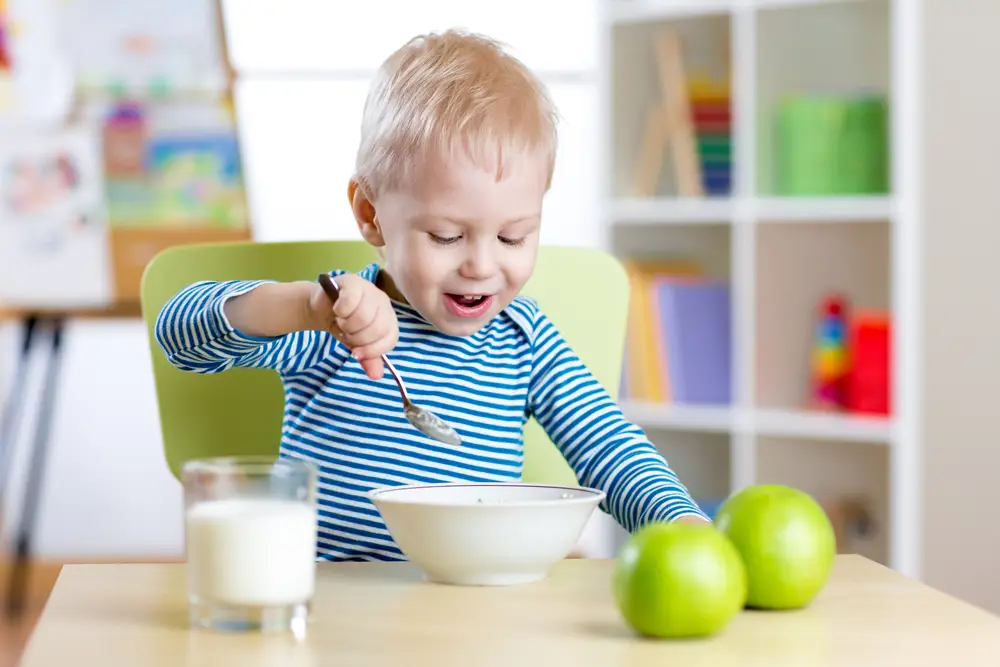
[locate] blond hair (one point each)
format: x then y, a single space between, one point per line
448 92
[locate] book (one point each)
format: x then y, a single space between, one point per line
696 319
679 335
643 356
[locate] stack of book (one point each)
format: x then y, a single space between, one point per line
678 347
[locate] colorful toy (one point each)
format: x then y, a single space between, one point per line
832 144
710 111
870 381
830 358
669 124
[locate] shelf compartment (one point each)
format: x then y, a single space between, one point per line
874 208
622 12
771 423
680 334
670 211
837 474
823 82
791 4
647 78
638 11
708 419
708 245
652 211
797 267
700 460
820 425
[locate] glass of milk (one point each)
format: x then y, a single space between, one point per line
250 533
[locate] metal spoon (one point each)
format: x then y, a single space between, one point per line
422 419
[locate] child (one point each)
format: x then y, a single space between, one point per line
457 148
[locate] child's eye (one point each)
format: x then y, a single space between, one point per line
444 240
511 242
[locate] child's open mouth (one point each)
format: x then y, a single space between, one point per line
468 305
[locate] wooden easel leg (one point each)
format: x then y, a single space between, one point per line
14 406
20 571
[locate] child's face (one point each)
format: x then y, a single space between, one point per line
460 245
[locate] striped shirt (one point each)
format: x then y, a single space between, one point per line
486 386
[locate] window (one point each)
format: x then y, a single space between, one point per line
304 68
282 36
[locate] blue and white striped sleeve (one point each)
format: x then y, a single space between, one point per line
605 450
196 336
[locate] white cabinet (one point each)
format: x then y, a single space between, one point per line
780 247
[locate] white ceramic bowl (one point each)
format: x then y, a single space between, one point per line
490 534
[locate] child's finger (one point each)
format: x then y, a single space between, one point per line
375 349
374 368
347 302
369 335
366 313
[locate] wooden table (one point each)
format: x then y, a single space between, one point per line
385 614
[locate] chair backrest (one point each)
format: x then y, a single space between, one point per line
583 291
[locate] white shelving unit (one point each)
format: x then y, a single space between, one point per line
780 254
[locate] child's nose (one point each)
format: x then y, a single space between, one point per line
479 264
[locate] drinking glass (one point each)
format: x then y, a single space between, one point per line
250 534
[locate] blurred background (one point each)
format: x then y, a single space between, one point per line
801 191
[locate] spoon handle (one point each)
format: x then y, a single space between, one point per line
399 381
329 286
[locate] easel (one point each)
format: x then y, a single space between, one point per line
139 246
33 326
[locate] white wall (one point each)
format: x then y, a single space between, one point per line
300 138
107 490
304 72
305 65
961 308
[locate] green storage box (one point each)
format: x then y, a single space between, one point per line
831 145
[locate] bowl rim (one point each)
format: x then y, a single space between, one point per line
587 495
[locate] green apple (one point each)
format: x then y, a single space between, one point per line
786 541
676 580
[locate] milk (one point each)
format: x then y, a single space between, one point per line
251 551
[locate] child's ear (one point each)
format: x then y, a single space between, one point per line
364 214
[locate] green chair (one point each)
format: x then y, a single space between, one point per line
584 292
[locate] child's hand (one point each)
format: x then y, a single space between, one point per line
692 518
362 319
